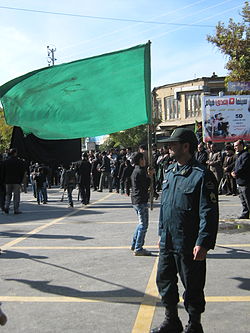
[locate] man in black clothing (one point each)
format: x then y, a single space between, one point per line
201 154
2 186
105 169
95 171
242 174
140 180
13 172
83 169
126 176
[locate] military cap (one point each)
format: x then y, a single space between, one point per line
183 135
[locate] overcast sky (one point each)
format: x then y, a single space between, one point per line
176 28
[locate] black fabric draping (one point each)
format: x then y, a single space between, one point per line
48 152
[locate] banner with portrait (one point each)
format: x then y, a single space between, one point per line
226 118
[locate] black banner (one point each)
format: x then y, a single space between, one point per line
48 152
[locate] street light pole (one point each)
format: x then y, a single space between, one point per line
51 56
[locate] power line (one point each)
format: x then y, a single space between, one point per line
105 18
134 25
166 32
203 19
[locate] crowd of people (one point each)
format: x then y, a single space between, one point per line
231 168
110 169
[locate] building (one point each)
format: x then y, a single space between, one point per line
179 104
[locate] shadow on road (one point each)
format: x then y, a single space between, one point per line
232 253
120 295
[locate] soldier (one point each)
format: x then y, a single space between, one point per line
188 227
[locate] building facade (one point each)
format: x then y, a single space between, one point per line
179 104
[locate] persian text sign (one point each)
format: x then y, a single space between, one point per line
226 118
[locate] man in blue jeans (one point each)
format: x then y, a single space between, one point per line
140 180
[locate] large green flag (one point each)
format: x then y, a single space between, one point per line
89 97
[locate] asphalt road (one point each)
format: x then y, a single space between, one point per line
71 270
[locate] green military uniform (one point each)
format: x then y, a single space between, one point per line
188 217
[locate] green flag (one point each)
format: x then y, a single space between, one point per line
89 97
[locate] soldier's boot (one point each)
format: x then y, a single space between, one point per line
3 318
194 324
171 323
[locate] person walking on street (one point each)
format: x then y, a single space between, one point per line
13 172
83 169
140 180
95 171
120 173
40 184
241 173
68 183
105 169
188 227
126 176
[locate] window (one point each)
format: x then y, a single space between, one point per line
193 105
158 108
172 108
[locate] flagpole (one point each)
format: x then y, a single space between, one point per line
149 137
151 192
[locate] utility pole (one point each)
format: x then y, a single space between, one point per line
51 56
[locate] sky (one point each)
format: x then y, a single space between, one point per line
177 30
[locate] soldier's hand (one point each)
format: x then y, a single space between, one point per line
199 253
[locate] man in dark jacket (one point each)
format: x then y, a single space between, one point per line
228 166
187 228
201 154
2 185
83 169
105 169
242 174
95 172
140 180
13 172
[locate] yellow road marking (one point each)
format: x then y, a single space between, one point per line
102 247
64 223
66 299
5 247
44 226
233 245
218 299
106 222
146 311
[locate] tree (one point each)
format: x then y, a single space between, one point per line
131 137
234 41
5 133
